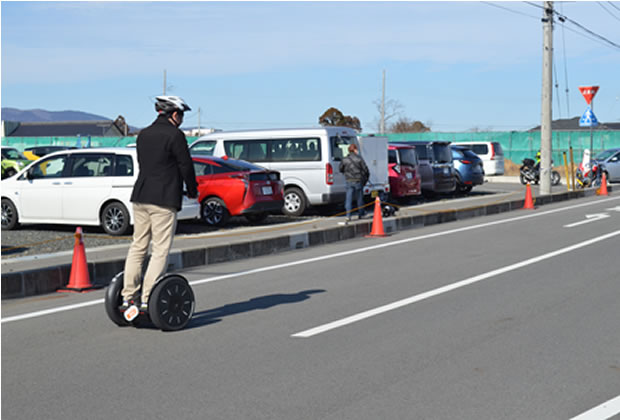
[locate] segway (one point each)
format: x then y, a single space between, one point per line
170 307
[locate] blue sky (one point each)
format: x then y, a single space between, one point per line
453 65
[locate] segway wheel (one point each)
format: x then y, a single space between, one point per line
113 300
171 303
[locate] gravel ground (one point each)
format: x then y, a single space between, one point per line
47 239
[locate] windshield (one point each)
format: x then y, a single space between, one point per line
421 151
408 157
12 154
442 153
605 154
340 146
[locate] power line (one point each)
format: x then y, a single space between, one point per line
613 5
510 10
557 86
607 10
565 67
563 18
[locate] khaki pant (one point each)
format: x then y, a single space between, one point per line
155 225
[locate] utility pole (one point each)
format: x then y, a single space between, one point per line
547 93
382 126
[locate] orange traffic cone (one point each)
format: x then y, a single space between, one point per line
377 221
529 203
79 280
603 189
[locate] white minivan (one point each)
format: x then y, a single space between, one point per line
78 187
307 159
491 154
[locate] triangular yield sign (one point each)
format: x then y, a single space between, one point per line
588 92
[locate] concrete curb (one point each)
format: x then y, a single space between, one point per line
103 266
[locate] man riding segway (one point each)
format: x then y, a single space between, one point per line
165 164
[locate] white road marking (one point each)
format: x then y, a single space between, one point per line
325 257
426 295
604 411
52 311
589 218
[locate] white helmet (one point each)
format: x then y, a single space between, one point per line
169 104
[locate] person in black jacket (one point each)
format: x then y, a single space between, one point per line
165 164
356 175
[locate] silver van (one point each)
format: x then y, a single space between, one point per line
490 152
307 159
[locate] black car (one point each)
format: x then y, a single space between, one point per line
436 167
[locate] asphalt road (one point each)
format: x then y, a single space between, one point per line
512 316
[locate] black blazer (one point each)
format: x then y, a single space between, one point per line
164 164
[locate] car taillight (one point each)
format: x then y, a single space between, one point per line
329 174
466 162
492 152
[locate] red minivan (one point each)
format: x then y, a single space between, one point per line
404 171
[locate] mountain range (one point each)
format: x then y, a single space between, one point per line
41 115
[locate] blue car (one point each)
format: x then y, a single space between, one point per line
468 167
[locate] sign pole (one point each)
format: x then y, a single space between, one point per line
591 128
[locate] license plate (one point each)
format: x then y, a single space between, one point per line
267 190
446 171
374 194
409 176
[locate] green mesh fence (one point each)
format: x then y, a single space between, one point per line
520 145
22 143
516 145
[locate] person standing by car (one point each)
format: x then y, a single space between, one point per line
356 175
165 163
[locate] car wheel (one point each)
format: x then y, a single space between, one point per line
115 219
9 215
294 202
214 212
9 172
256 217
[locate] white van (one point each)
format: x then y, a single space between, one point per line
307 159
79 187
491 154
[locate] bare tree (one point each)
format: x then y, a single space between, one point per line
393 108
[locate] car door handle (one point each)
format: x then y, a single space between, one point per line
56 183
68 183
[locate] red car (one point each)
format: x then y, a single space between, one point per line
404 171
228 187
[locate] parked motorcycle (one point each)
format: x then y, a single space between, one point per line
588 172
588 176
529 173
